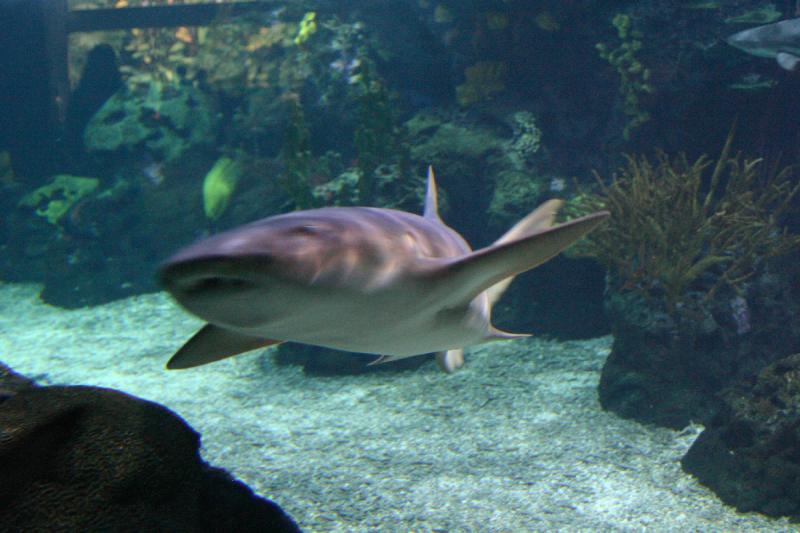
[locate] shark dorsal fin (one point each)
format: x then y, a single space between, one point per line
461 279
431 202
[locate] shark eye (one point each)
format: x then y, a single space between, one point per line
306 229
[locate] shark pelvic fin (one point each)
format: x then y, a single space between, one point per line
500 335
538 220
212 343
462 279
451 360
787 61
382 359
431 198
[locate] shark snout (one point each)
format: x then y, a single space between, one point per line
208 276
743 41
218 289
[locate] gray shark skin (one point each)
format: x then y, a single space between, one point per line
361 279
780 40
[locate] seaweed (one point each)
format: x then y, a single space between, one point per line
673 223
297 158
375 136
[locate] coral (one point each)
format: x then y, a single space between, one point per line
340 191
515 194
672 224
52 201
634 77
308 27
267 37
392 189
481 81
219 185
453 138
526 138
228 57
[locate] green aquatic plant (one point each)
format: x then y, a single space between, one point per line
634 77
673 223
375 136
297 159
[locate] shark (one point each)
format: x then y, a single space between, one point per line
779 40
362 279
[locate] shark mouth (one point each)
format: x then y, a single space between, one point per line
207 276
213 283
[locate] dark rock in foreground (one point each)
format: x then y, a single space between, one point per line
92 459
750 454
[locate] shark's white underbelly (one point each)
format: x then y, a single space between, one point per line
384 324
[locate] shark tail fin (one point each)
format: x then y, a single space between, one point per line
462 279
213 343
538 220
431 197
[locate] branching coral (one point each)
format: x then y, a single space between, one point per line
673 223
633 76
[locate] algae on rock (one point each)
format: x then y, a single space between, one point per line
165 120
54 200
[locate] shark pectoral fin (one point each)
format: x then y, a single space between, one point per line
213 343
450 360
537 221
787 61
462 279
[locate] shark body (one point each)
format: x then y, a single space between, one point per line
361 279
779 40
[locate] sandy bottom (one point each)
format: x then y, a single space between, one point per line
516 441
